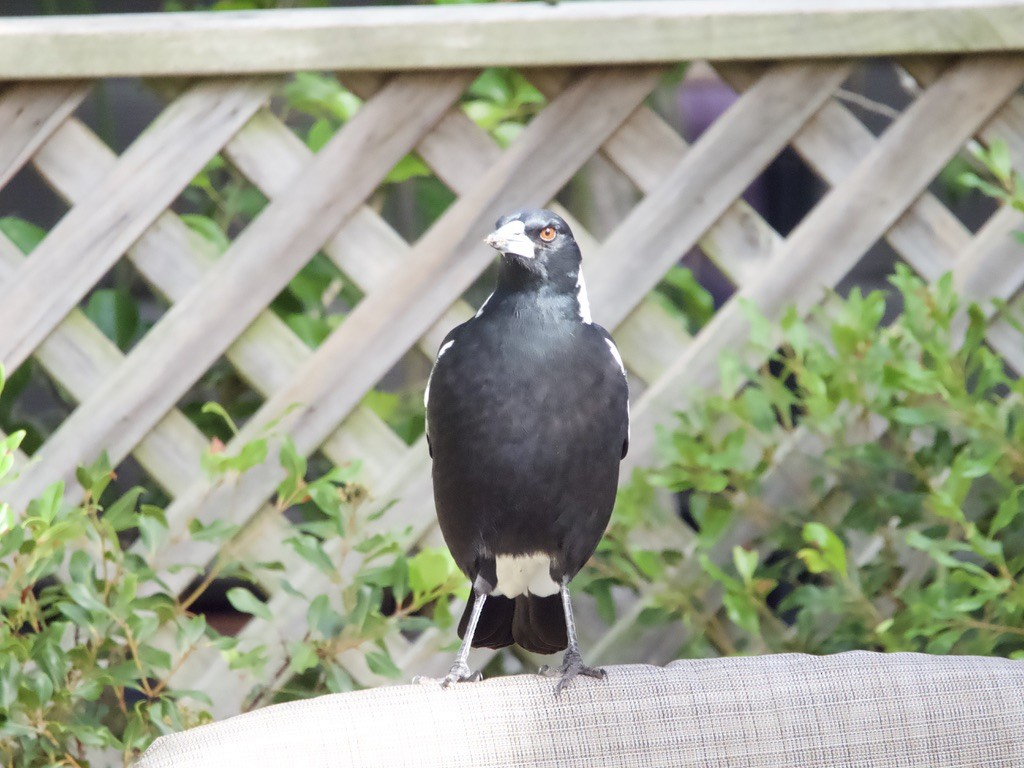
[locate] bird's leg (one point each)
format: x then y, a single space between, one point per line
460 670
572 663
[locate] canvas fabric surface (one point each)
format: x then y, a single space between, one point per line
855 710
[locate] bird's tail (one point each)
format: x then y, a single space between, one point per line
535 623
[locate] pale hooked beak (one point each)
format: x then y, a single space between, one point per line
511 238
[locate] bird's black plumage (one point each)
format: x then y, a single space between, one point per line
527 421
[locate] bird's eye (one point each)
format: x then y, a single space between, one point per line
547 234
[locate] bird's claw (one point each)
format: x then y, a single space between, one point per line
461 673
572 667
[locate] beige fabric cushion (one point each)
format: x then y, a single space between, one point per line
856 710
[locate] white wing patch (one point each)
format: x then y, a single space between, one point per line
582 300
444 348
481 310
519 574
622 367
616 355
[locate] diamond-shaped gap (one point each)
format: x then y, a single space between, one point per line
219 401
316 300
118 110
219 203
877 92
398 397
29 208
412 197
314 105
501 102
33 401
123 305
787 189
599 196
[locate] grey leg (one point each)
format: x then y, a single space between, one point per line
460 670
572 664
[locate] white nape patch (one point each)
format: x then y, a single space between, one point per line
582 300
481 310
518 574
616 355
426 392
512 238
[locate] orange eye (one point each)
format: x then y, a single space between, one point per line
547 234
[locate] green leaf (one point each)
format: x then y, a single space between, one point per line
48 505
121 514
116 313
216 531
745 561
301 656
190 629
208 229
244 601
833 551
217 409
24 234
1009 509
320 132
429 570
380 663
408 167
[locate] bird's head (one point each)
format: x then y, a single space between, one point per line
538 241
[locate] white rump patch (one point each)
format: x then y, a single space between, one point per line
519 574
616 355
582 300
426 392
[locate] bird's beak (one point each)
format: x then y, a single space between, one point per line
511 238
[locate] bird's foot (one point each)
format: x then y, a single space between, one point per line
572 667
461 673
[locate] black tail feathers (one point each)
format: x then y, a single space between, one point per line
535 623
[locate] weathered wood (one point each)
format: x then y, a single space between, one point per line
844 224
520 34
712 174
79 357
173 260
197 329
93 236
29 113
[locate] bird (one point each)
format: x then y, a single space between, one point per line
527 421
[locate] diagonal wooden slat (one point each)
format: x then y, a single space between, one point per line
173 260
78 356
29 113
92 236
929 237
730 155
199 327
845 223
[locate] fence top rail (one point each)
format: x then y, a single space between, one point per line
503 34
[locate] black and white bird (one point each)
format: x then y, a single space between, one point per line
527 421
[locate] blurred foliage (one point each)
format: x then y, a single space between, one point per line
910 440
91 635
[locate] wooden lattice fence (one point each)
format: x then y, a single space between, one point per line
120 208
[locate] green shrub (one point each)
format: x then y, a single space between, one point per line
90 634
864 490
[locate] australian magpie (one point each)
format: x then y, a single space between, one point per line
527 421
